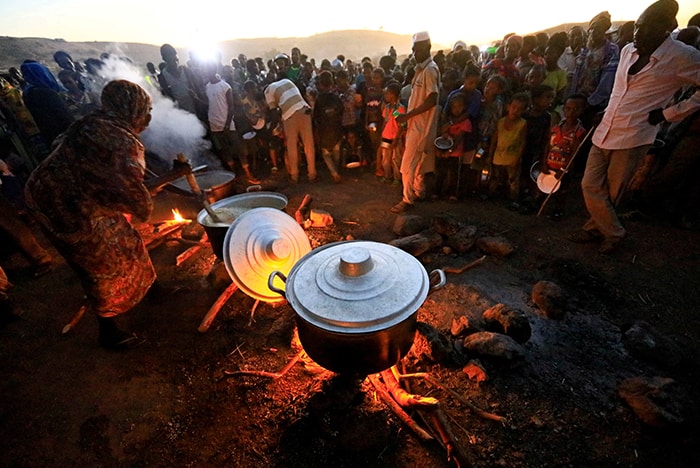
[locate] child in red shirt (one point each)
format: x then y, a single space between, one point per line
390 147
449 161
564 140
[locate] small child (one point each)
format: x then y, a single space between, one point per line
255 109
449 162
392 132
539 124
507 145
327 121
373 116
490 113
564 140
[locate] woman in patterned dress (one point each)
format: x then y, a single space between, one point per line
81 193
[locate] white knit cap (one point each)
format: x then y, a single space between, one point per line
421 36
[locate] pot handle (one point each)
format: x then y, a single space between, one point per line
254 188
437 280
274 288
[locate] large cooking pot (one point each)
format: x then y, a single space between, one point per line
228 209
216 185
356 304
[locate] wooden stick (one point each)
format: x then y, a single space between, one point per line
192 181
272 375
161 235
466 267
455 451
74 321
398 411
478 411
252 312
402 397
302 213
184 256
214 309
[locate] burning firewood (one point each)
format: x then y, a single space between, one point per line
187 254
478 411
397 409
162 233
214 309
402 397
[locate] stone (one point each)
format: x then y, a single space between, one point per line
408 224
445 224
460 326
550 299
475 371
495 245
645 343
657 401
512 322
430 345
463 240
496 345
418 244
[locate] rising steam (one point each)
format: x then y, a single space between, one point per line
171 130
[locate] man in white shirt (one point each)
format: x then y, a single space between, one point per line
651 70
418 156
221 125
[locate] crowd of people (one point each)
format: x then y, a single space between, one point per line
620 106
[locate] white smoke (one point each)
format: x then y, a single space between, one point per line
172 130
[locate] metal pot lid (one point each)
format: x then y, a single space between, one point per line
258 242
357 286
228 209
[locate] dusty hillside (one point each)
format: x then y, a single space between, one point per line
353 44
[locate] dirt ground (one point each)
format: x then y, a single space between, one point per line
66 402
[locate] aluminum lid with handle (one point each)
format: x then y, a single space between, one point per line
357 286
258 242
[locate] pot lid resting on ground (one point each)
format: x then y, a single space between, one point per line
258 242
357 286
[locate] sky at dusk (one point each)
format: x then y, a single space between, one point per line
189 24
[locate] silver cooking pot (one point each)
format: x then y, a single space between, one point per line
357 303
216 185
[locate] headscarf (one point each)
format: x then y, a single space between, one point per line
603 19
127 102
38 75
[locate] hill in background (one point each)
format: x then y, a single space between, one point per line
353 44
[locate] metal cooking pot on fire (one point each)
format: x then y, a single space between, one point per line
356 303
216 185
230 208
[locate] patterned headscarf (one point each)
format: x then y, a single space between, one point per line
38 75
127 102
602 19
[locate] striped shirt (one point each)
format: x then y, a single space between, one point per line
285 95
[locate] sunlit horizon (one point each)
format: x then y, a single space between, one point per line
156 22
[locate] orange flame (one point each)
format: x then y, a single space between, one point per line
177 217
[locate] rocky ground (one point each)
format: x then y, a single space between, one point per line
565 392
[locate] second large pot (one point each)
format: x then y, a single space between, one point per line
356 304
